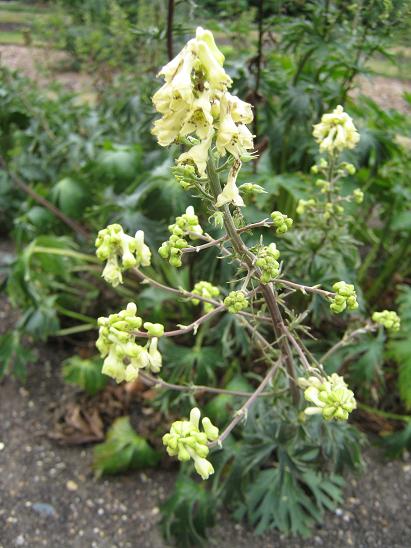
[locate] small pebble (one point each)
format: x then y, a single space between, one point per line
44 509
71 485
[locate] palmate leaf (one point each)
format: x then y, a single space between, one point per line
370 359
279 498
71 197
85 373
123 450
188 513
395 444
197 364
14 356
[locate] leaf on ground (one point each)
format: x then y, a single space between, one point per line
123 450
85 373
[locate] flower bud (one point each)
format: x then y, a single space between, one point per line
154 329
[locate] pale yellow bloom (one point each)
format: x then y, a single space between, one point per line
199 119
197 155
230 192
231 137
336 131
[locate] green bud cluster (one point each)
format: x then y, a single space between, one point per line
388 318
331 397
320 167
358 195
123 357
121 252
206 290
303 205
236 301
346 297
185 225
185 175
323 185
331 210
346 168
185 441
251 188
267 261
281 222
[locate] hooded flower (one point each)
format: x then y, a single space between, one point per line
123 357
230 193
194 79
233 138
336 131
197 155
121 252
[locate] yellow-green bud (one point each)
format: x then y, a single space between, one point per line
388 318
236 301
187 442
154 329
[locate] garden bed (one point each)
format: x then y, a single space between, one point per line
49 492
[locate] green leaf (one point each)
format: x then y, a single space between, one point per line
220 408
188 513
85 373
396 443
399 347
369 364
14 356
71 197
123 450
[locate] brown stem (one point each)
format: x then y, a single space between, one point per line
192 327
189 295
242 413
76 227
368 328
156 382
268 292
170 18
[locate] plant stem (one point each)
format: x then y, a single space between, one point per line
170 19
368 328
192 327
242 413
267 290
156 382
75 329
76 315
65 253
385 414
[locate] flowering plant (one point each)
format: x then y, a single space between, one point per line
198 112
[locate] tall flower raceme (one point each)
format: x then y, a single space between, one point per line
197 109
198 112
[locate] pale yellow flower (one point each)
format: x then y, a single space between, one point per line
230 192
336 131
231 137
197 155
